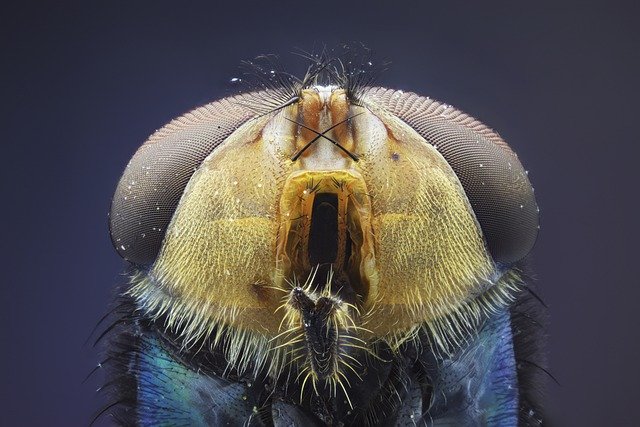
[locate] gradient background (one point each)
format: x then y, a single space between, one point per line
83 86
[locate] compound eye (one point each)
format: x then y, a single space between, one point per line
493 178
153 182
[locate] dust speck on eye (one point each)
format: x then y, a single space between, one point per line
395 156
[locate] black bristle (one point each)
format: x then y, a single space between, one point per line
120 343
528 323
270 88
356 69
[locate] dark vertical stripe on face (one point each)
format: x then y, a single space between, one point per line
323 236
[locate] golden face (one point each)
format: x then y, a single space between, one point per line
308 234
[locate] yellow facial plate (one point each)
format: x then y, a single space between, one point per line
224 257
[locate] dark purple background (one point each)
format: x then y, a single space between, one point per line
83 86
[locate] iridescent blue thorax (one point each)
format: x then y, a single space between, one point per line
476 386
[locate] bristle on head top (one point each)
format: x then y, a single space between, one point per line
351 67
